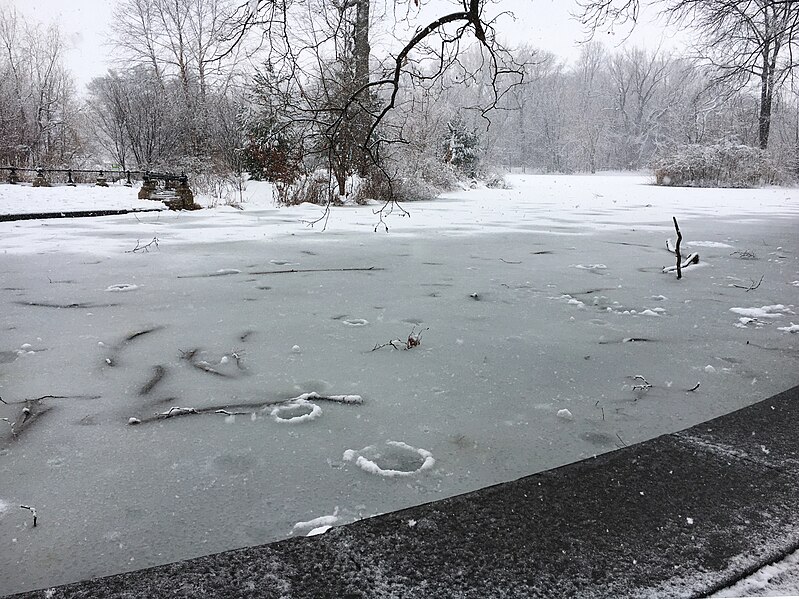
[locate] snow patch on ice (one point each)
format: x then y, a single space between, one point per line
794 328
565 414
355 322
590 266
709 369
120 287
773 311
708 244
319 522
3 507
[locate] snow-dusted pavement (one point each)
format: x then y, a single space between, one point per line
531 301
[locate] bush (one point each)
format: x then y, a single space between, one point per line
725 164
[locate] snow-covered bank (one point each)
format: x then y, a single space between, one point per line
242 310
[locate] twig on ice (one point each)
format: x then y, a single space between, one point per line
32 510
620 439
414 340
596 405
644 386
695 387
143 248
752 286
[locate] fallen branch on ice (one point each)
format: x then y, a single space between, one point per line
752 286
298 270
231 410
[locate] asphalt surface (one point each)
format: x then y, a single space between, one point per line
681 515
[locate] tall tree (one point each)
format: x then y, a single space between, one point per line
338 90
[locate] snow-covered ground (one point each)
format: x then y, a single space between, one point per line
537 307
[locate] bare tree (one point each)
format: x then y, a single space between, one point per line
37 108
334 87
743 40
177 42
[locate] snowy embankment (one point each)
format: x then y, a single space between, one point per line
254 354
24 199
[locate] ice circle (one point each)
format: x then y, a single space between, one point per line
396 459
296 412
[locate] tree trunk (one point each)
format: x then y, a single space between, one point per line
361 53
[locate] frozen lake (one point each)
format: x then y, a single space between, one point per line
531 301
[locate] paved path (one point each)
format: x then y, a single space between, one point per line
681 515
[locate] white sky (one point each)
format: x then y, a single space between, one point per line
545 24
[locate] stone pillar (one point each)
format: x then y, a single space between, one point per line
101 180
185 196
13 179
147 188
70 182
39 180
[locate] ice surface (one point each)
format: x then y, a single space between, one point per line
480 393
